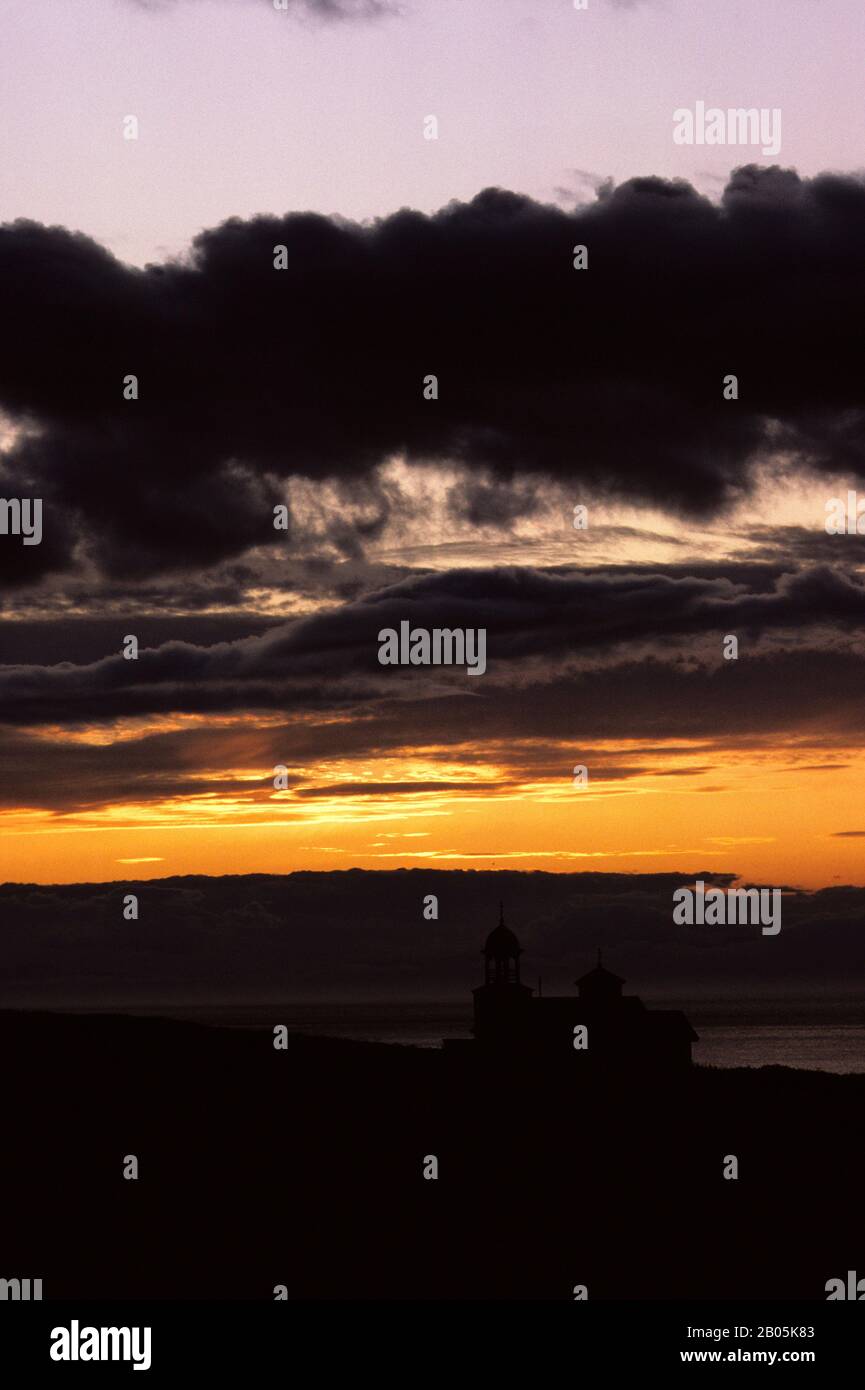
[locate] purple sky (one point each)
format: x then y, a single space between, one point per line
243 109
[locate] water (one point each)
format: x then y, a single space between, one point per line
837 1049
756 1034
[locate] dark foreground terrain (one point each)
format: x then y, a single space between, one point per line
304 1168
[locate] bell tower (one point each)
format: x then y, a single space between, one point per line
502 955
501 1002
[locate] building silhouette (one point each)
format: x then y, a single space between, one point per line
599 1029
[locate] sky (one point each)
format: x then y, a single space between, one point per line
243 109
302 388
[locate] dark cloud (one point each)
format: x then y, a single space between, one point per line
540 625
304 935
608 378
185 762
485 503
802 545
87 640
389 789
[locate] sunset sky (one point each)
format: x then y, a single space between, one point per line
304 387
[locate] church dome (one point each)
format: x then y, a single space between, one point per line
501 943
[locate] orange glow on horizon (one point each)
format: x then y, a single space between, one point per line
749 810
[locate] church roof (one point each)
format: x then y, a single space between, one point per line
600 975
501 942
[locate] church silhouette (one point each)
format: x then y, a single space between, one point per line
599 1030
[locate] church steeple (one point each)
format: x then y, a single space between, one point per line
502 955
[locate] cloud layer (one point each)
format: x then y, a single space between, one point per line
539 624
255 937
251 376
574 659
